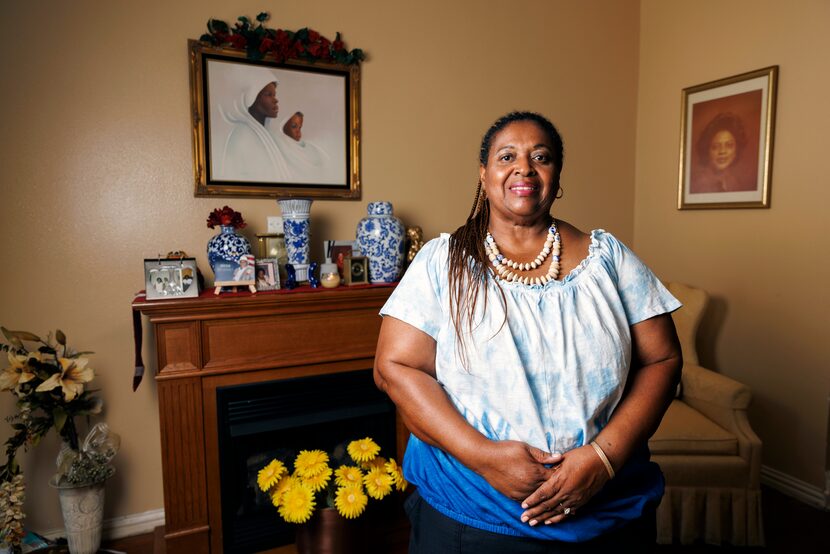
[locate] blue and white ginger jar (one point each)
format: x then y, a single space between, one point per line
380 236
227 246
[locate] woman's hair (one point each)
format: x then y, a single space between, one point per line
725 121
468 261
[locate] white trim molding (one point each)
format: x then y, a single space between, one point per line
121 526
795 488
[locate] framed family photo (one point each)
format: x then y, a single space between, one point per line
267 129
166 278
726 142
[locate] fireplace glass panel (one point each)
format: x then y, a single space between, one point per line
261 421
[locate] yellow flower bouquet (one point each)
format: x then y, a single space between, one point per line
363 473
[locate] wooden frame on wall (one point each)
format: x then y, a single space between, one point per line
726 142
267 129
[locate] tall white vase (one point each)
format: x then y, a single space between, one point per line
297 228
83 515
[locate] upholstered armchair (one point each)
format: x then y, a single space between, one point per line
707 450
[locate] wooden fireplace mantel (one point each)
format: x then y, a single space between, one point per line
209 342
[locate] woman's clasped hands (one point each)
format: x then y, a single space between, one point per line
550 487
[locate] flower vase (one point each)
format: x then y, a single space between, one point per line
327 532
82 508
380 236
296 225
224 250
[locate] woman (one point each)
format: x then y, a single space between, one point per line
530 386
719 150
251 153
307 160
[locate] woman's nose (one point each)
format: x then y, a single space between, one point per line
524 167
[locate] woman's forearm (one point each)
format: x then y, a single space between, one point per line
639 413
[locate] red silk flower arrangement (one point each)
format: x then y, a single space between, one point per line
226 217
259 41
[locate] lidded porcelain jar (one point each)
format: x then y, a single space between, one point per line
380 236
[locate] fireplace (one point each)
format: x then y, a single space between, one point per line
211 353
277 419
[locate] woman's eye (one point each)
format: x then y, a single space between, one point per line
506 157
543 158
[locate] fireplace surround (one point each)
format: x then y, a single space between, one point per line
211 347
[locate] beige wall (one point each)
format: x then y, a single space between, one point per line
97 157
767 270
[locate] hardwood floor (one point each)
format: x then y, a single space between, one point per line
790 527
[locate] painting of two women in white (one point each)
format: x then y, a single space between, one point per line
276 126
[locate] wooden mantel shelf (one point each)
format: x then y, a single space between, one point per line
209 342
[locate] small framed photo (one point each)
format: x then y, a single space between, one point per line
236 273
338 250
357 270
267 274
726 142
170 278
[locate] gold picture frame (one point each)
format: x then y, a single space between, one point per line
309 147
727 129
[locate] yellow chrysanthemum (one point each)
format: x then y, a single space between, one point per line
350 501
378 462
285 483
270 475
396 473
318 482
378 483
311 462
348 475
363 450
297 504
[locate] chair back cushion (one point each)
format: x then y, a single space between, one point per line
687 318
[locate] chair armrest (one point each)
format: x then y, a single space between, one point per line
724 401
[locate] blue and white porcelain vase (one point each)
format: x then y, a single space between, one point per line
296 225
380 236
227 246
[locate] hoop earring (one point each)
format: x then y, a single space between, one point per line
560 193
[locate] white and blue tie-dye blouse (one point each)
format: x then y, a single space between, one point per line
550 376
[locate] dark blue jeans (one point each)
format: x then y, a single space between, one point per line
435 533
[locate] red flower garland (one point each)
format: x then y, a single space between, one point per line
258 41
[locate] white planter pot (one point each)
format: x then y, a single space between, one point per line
83 514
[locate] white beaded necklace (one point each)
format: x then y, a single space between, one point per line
508 270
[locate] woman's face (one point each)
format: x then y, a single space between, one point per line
266 102
722 150
294 127
520 178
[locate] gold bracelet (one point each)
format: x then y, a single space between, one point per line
604 458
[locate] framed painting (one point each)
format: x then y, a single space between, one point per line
267 129
726 142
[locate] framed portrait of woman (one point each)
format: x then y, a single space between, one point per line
726 142
267 129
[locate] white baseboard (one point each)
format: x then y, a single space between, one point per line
795 488
122 526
